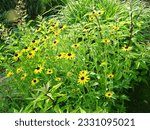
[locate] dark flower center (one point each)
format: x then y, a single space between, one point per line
69 54
38 68
82 78
34 81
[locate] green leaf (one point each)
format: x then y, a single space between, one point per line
57 109
54 88
81 110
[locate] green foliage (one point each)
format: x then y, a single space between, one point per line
83 60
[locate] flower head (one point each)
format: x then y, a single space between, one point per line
69 74
83 72
75 46
57 79
10 73
31 54
83 79
23 76
109 94
61 55
110 76
49 71
106 41
16 56
115 28
38 69
126 48
55 42
34 81
19 70
70 55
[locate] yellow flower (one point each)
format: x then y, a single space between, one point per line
69 74
16 56
55 42
26 49
61 55
106 41
49 71
83 72
109 94
62 27
31 54
23 77
34 49
10 73
75 45
34 81
126 48
38 69
38 30
70 56
91 18
35 41
45 38
56 33
83 79
57 79
110 76
115 28
19 70
98 13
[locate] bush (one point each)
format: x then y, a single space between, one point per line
77 64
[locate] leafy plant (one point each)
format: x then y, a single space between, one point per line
83 60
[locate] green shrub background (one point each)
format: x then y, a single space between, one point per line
78 60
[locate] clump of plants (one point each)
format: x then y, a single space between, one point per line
84 66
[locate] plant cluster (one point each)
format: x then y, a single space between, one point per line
84 60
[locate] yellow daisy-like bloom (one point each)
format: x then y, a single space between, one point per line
38 30
75 46
110 76
115 28
23 77
10 73
38 69
83 72
61 55
16 56
35 41
62 27
45 38
19 70
70 56
49 71
126 48
91 18
56 33
55 42
31 54
57 79
69 74
83 79
98 13
109 94
34 49
34 81
26 49
106 41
